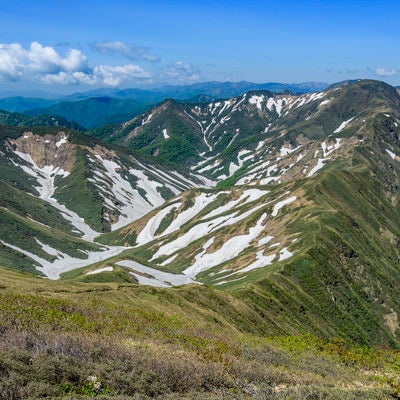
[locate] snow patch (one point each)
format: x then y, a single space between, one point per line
391 154
230 249
202 229
158 278
284 254
343 125
100 270
64 262
281 204
62 141
320 164
45 177
147 234
261 261
165 133
257 100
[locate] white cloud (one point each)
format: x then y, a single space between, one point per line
183 72
115 75
45 64
131 51
384 72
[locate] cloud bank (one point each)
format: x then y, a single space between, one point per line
129 51
182 72
45 64
385 72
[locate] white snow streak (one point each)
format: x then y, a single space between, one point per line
230 249
45 177
158 278
281 204
64 262
261 261
343 125
165 133
100 270
391 154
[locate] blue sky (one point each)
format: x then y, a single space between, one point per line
68 45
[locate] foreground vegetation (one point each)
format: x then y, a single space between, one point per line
120 341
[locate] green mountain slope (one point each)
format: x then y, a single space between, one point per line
16 119
277 279
315 237
302 226
61 189
59 338
94 112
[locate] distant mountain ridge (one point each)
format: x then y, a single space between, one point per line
93 112
215 89
22 120
100 107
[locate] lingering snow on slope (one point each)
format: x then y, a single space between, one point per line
202 229
260 262
147 234
158 278
168 260
64 262
147 120
229 250
343 125
275 103
265 240
171 180
327 151
131 204
165 133
100 270
45 177
281 204
391 154
284 254
200 203
257 100
149 187
231 280
203 131
208 167
233 168
323 103
48 249
284 151
320 164
62 141
247 196
253 172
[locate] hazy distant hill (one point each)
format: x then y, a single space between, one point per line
94 112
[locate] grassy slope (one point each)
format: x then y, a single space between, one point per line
185 343
342 280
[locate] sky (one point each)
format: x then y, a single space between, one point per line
69 46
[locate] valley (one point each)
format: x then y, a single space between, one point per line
219 229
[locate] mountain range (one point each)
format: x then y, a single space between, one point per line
262 168
282 208
99 107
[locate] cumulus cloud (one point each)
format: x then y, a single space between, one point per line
183 72
45 64
131 51
385 72
115 75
